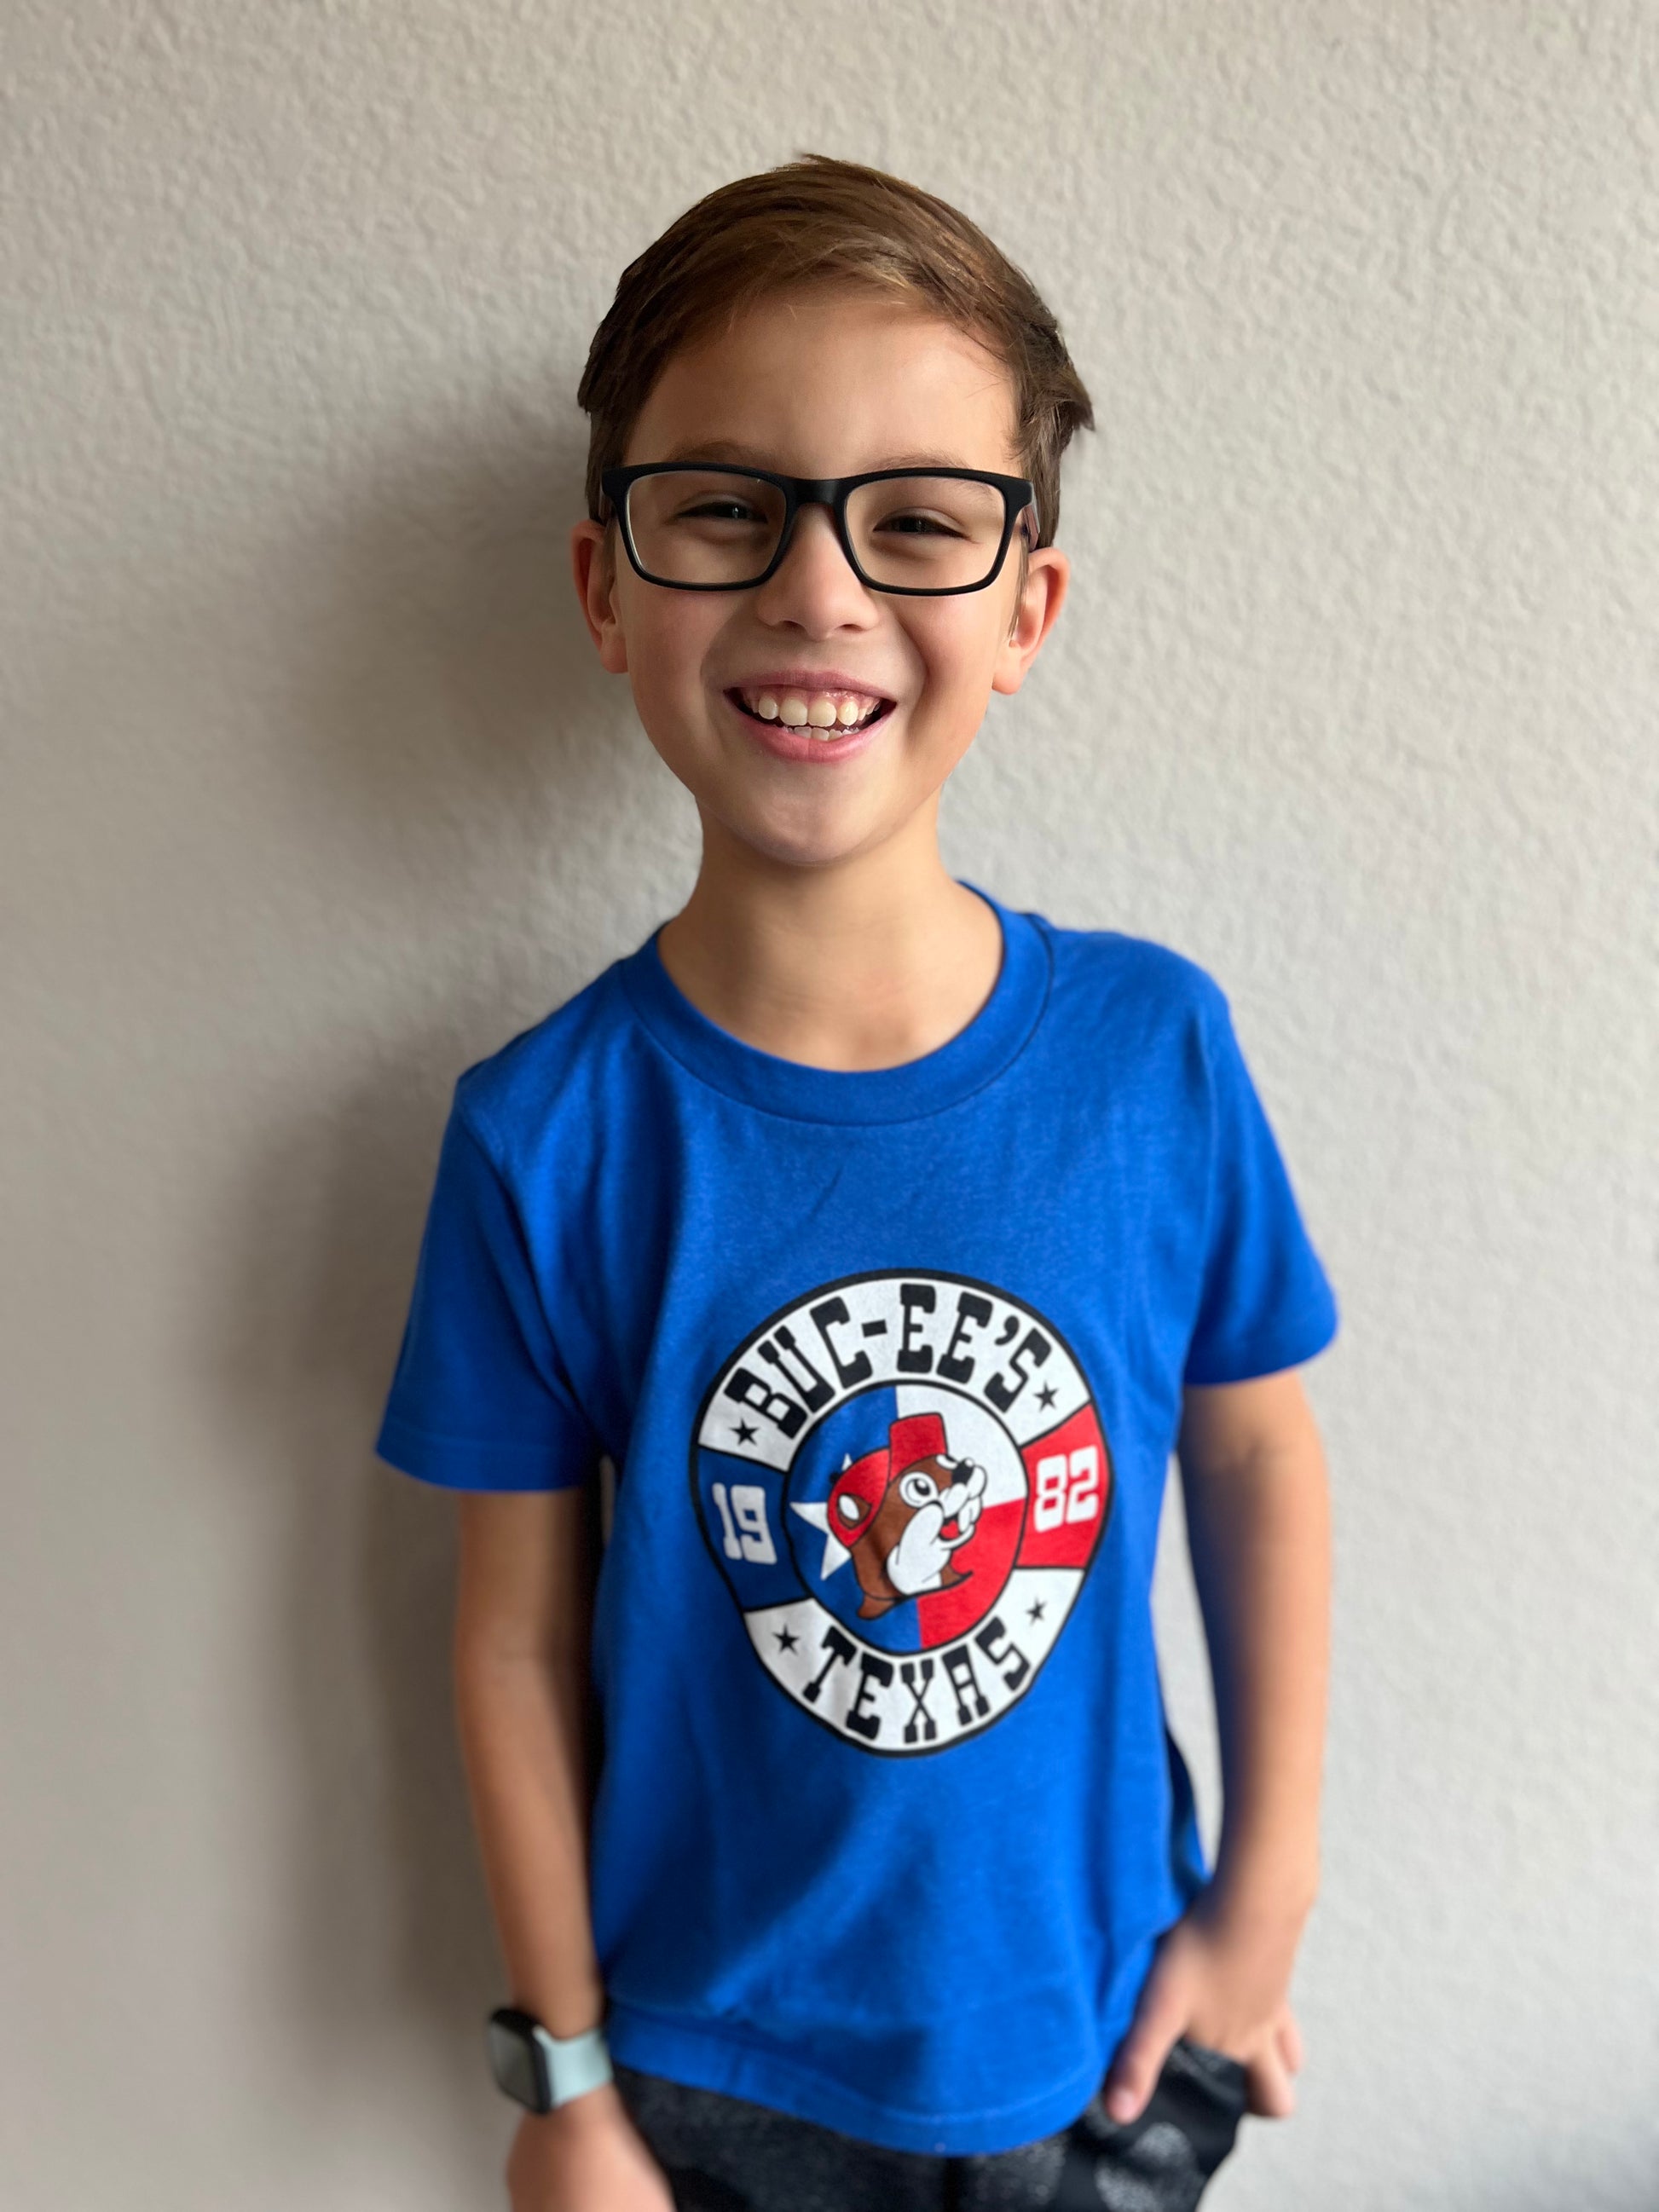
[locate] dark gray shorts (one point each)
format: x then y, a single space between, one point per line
724 2155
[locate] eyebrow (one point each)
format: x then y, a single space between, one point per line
740 456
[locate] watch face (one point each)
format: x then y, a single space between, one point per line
516 2060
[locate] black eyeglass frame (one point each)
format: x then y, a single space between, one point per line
1018 492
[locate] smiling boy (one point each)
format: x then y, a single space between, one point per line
887 1241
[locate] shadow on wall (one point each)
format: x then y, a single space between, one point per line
459 744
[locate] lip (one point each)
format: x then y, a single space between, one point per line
806 679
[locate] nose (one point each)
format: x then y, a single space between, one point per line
815 589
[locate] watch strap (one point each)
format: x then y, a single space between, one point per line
576 2063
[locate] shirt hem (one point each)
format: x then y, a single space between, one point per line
709 2055
459 1463
1306 1333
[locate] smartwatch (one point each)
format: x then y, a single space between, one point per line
543 2070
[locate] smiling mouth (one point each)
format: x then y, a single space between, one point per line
824 715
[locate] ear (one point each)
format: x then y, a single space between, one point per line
1047 575
594 567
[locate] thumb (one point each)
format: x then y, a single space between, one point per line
1159 2017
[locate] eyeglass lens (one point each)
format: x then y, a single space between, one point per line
923 533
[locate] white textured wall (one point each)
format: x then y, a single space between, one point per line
312 793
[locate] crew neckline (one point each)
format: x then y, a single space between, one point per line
953 1070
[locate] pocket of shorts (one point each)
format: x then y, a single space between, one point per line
1227 2074
1205 2094
1163 2158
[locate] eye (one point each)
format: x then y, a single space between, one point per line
723 508
918 525
918 1489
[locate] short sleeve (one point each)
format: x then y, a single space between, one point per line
1266 1302
479 1399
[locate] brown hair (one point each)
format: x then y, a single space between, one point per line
816 219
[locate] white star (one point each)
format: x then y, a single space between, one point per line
836 1554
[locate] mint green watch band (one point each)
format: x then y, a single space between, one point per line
576 2063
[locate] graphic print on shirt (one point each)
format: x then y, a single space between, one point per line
903 1479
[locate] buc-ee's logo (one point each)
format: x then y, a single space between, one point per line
903 1479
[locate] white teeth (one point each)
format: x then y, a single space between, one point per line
825 714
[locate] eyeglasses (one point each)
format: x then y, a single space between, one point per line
699 526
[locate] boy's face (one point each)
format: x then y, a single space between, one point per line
820 382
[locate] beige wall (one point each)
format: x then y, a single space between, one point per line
313 794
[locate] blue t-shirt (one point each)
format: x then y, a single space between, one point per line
889 1365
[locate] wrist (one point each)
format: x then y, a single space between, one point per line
594 2109
565 2016
568 1998
1274 1892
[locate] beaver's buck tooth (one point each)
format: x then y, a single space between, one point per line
791 709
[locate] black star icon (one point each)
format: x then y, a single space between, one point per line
745 1434
787 1640
1036 1611
1046 1394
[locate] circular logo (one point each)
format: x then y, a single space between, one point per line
903 1479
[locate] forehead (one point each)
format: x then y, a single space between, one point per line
825 381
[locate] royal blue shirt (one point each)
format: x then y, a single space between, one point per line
889 1364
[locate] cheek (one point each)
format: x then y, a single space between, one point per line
669 635
957 641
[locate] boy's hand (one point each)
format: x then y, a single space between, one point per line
585 2156
1220 1976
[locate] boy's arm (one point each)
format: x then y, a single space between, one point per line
1252 1476
521 1701
520 1676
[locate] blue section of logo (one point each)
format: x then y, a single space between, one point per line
744 1523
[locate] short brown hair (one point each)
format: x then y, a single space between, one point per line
816 220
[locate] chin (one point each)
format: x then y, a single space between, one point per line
803 842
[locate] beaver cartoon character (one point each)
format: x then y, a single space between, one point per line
902 1512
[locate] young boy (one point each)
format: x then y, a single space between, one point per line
885 1241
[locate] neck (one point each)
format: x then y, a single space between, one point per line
862 963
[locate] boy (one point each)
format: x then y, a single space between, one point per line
886 1240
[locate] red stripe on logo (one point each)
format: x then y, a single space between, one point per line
1069 1474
